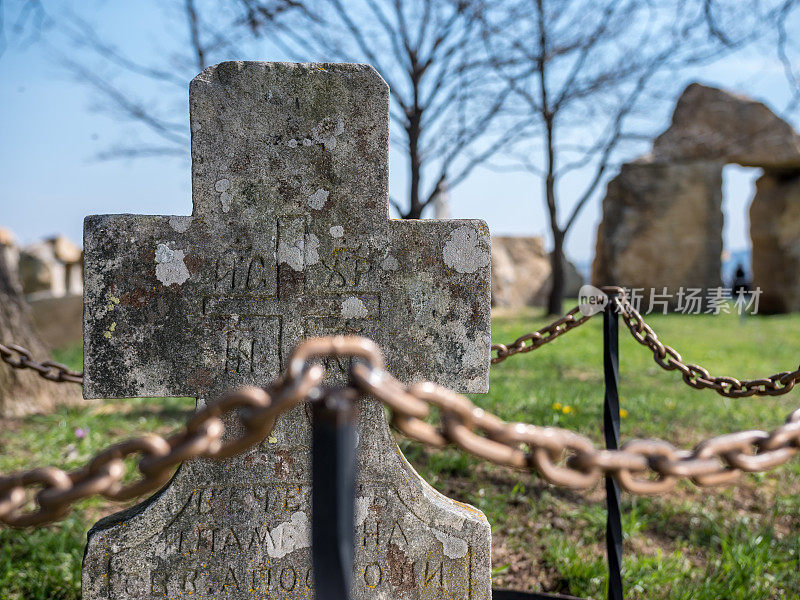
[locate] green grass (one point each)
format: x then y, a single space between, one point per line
741 542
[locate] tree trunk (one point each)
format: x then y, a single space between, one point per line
22 391
556 299
415 168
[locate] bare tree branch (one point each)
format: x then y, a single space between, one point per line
212 31
788 68
80 33
194 35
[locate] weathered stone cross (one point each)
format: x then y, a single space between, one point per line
289 239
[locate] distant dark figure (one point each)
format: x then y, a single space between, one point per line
741 292
741 286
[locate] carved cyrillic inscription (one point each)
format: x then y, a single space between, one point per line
347 266
244 274
205 555
239 354
250 346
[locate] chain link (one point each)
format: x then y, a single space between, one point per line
561 456
21 358
532 341
694 375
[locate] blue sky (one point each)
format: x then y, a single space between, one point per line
50 134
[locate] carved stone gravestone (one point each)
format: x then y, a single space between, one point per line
289 238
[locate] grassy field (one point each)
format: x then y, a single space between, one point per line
742 542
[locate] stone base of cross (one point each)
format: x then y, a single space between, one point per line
289 239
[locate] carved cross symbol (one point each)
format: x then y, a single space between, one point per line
289 238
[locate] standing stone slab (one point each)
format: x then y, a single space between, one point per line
661 228
289 239
775 233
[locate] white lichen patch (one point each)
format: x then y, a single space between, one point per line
390 263
226 197
318 199
180 224
311 249
464 251
474 347
473 351
353 308
431 302
287 537
291 255
452 546
170 267
164 254
326 131
295 143
361 509
450 519
336 231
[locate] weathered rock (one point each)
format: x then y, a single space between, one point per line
775 232
289 238
35 273
51 268
58 319
7 238
521 272
662 219
710 124
65 249
22 391
520 267
661 227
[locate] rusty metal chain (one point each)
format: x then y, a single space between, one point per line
202 436
21 358
536 339
695 375
569 459
665 356
561 456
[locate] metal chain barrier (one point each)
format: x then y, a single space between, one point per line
537 339
562 457
695 375
20 358
665 356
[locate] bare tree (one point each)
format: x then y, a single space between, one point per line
151 95
586 77
443 100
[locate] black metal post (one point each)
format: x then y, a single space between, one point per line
333 493
611 428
